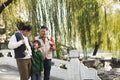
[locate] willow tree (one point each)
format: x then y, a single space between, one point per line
4 5
83 22
32 15
109 23
12 12
71 22
6 19
48 13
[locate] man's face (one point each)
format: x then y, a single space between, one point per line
43 32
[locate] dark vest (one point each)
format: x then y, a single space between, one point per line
19 52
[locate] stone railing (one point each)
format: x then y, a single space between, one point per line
7 53
75 69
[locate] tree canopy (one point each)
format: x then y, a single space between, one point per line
80 24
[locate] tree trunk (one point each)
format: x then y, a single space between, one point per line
96 48
4 5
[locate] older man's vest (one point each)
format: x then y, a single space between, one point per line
19 52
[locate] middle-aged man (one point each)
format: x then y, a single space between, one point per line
47 47
22 48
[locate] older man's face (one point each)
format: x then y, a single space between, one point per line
26 33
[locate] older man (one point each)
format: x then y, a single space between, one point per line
22 48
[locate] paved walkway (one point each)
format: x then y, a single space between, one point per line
11 73
8 73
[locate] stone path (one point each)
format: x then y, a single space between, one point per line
11 73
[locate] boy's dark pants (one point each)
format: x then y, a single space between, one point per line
24 67
36 76
47 68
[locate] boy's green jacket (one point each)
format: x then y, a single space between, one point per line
37 61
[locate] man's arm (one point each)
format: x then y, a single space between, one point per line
53 45
13 43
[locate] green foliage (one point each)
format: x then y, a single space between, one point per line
59 50
20 23
85 21
63 66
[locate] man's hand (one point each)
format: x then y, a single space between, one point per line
42 73
52 48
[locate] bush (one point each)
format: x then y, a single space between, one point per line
9 54
115 63
1 55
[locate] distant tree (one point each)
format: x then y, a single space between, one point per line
4 5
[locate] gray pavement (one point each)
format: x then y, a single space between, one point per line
8 73
11 73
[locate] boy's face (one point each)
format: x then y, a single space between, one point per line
35 45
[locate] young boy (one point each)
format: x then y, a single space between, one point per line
37 66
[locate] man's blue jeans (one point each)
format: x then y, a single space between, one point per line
47 68
36 76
